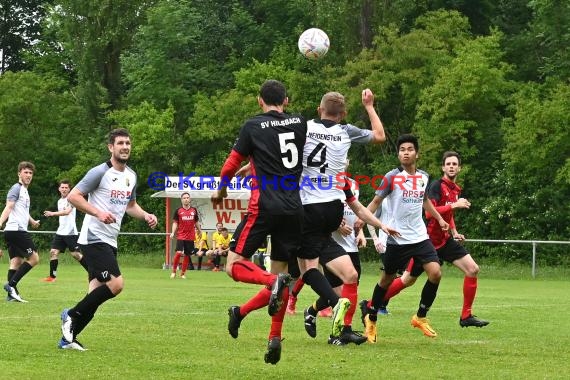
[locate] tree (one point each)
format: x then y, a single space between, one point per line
19 29
166 65
462 110
96 33
39 122
537 146
551 29
152 131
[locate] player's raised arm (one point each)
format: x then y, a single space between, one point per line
379 135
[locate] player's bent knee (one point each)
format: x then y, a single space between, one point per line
386 280
34 259
53 253
77 256
472 271
434 276
409 281
350 278
116 285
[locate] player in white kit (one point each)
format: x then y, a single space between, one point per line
66 235
405 190
323 189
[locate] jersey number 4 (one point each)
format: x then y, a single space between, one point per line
321 162
289 152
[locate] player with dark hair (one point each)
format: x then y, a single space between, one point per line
273 142
184 226
405 189
22 250
66 235
445 194
111 188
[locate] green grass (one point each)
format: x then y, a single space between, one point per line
162 328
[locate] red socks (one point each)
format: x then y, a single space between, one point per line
395 287
350 291
176 261
297 287
469 291
277 319
185 263
258 301
248 272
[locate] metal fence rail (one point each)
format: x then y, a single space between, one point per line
492 241
533 242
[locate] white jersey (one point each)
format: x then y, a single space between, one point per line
109 190
20 215
348 243
325 156
383 213
405 195
67 224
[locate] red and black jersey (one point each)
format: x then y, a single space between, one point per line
442 193
186 219
274 142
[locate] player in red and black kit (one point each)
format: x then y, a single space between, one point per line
445 196
273 142
184 226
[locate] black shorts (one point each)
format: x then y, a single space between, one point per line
285 230
320 220
330 252
333 279
185 246
61 242
398 256
19 243
101 259
451 251
293 266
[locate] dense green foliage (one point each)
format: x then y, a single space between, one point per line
488 79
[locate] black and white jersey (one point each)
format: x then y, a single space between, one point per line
325 156
274 142
348 242
404 194
67 224
384 214
20 214
109 190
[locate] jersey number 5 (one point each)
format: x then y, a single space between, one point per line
290 154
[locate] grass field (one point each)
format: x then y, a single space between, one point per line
161 328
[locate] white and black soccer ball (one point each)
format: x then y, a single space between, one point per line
314 43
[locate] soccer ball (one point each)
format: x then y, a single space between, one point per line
313 43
